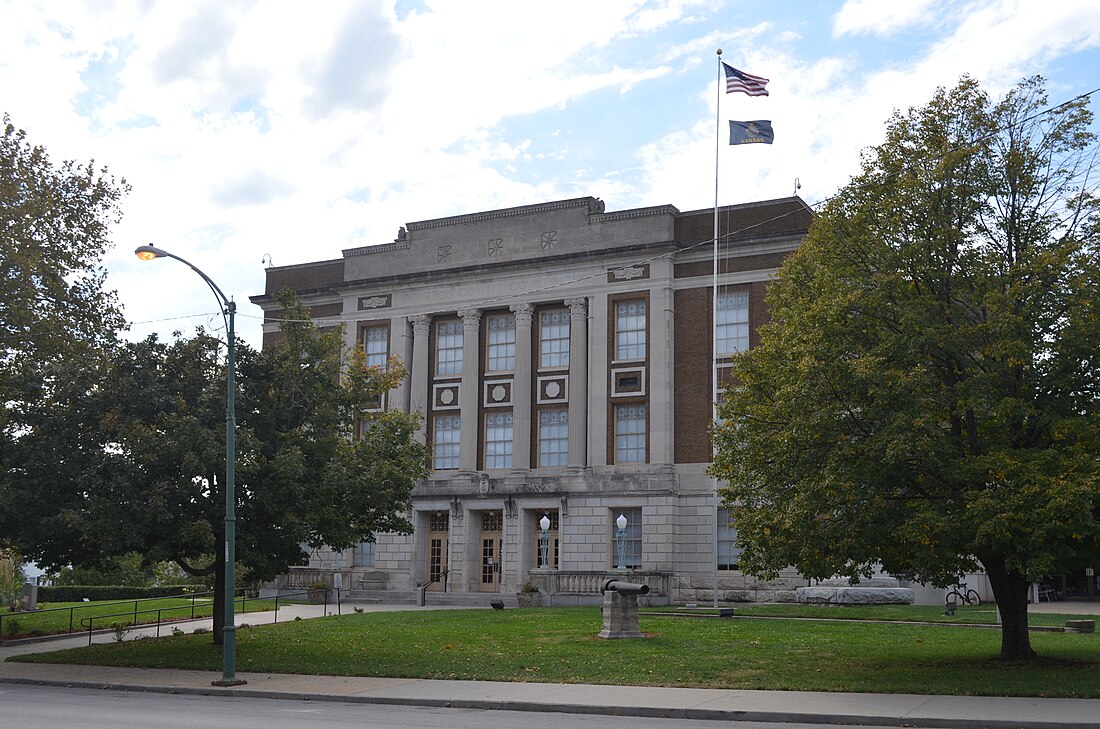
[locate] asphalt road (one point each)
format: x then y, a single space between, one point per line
46 707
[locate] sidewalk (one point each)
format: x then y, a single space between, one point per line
729 705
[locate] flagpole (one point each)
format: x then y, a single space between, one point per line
714 316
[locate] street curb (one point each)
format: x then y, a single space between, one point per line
539 707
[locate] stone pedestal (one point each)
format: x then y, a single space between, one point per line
620 616
29 599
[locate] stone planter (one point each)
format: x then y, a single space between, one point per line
529 599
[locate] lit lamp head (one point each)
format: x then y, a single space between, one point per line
544 523
621 522
148 253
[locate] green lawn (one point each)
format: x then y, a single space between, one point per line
978 615
559 645
51 619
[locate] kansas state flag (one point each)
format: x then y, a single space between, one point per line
751 132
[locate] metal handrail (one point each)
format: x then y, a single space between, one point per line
90 620
74 608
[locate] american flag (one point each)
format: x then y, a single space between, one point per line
744 82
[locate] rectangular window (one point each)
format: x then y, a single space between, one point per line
732 323
630 330
553 540
502 342
445 442
729 554
554 338
626 547
630 432
498 440
364 554
376 345
448 348
553 438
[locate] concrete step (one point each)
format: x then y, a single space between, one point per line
441 599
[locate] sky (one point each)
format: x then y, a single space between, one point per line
275 132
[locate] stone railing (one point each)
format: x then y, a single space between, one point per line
351 578
577 582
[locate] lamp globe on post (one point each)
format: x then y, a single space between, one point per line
229 310
544 542
620 542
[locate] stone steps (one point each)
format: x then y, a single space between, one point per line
438 599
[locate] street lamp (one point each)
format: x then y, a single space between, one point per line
544 542
229 310
620 543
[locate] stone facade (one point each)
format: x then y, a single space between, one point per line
562 357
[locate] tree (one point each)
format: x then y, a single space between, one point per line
11 577
138 450
927 396
54 226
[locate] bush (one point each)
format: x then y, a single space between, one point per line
76 593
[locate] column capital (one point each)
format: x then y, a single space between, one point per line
422 324
523 313
470 317
577 307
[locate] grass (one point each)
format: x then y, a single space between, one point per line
51 620
972 615
559 645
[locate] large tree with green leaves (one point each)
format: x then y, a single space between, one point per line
129 457
927 396
54 231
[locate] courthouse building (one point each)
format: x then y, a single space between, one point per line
561 356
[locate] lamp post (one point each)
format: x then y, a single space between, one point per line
229 310
544 542
620 543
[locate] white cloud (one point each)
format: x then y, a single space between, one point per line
253 128
875 17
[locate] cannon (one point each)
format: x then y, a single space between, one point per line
620 609
624 588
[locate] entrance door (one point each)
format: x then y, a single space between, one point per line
438 531
492 528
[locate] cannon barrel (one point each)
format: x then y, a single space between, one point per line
624 588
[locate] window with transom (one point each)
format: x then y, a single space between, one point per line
448 347
501 333
630 330
498 440
630 434
554 338
732 323
376 345
445 442
553 438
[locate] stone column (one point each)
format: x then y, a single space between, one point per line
469 395
398 397
660 376
597 390
521 390
578 384
418 387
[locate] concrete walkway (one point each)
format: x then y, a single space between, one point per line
723 704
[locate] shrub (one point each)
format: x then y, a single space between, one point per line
120 629
76 593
